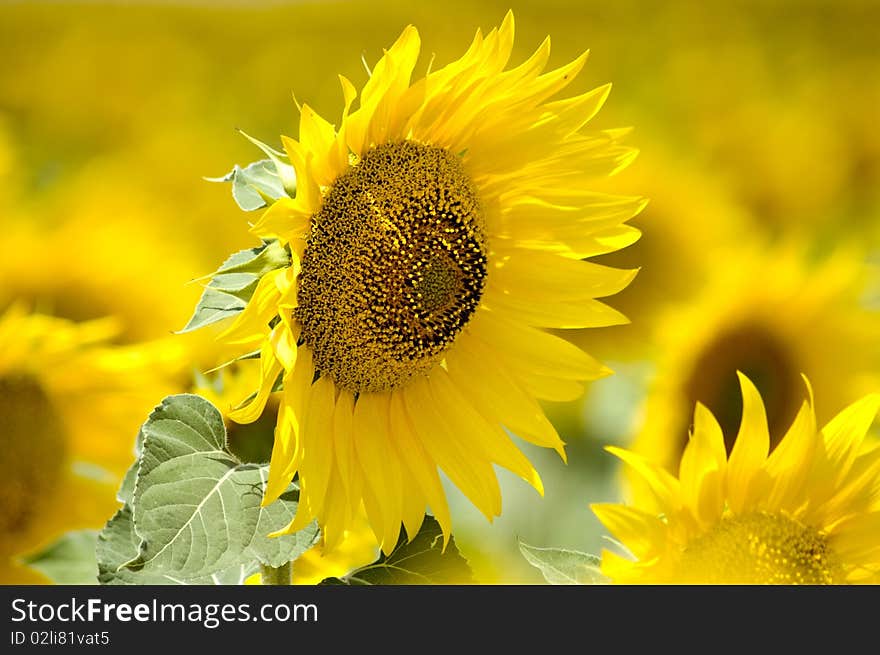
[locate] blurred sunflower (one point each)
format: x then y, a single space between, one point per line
772 314
252 442
87 268
70 407
807 513
679 248
433 236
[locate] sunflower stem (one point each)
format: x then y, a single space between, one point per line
281 575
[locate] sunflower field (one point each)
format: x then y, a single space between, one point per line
439 293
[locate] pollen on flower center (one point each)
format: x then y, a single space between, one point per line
31 453
393 268
760 548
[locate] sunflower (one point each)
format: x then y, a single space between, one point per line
776 314
433 236
69 409
807 513
86 268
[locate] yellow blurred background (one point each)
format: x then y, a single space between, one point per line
757 123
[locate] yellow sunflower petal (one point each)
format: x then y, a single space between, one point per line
284 219
665 487
379 463
287 447
419 464
703 467
251 325
496 445
843 435
316 443
528 349
500 398
789 464
638 530
472 474
270 369
750 448
538 275
343 445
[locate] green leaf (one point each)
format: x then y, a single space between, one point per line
420 561
285 171
212 307
233 284
256 185
275 551
69 560
126 489
118 543
562 566
196 507
256 261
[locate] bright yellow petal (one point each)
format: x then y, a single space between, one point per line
270 369
251 325
535 275
419 465
343 445
665 487
642 533
464 465
789 464
499 398
843 435
750 448
284 219
381 468
316 442
287 448
317 137
527 349
703 467
561 314
495 445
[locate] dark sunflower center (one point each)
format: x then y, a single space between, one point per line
765 360
32 451
393 268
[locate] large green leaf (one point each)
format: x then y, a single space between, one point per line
196 507
69 560
118 543
233 284
562 566
420 561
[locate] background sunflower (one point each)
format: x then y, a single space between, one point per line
66 397
756 122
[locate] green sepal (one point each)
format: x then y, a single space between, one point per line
258 184
233 284
285 172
